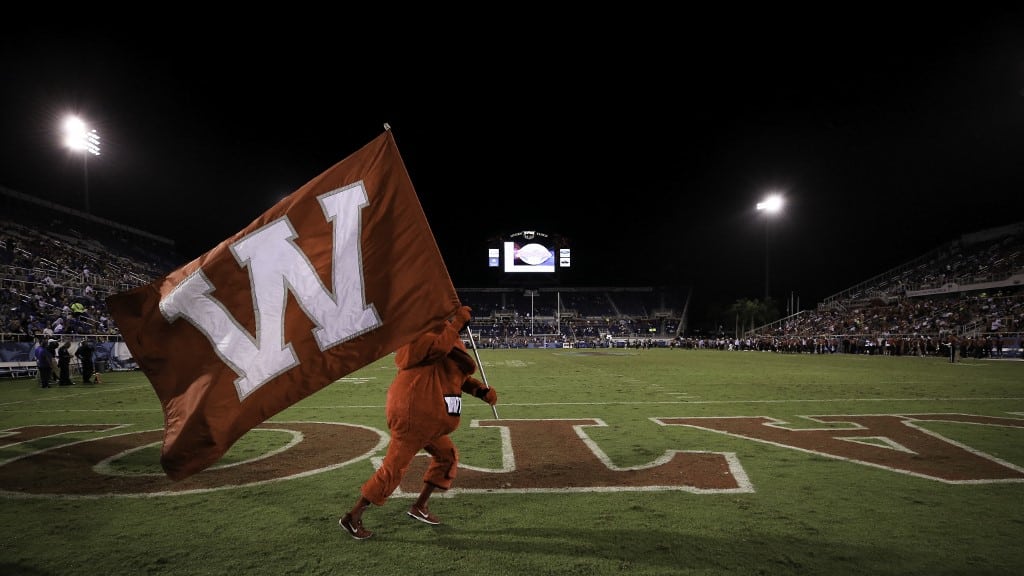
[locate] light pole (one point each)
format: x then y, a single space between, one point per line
80 138
531 294
772 204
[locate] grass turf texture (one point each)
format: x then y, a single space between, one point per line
807 513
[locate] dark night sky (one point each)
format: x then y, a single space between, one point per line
646 144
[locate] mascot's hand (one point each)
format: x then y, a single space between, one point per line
462 316
487 394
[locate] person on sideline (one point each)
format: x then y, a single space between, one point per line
64 364
44 361
84 353
424 406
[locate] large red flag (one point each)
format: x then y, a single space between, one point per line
340 273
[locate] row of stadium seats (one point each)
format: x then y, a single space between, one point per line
57 267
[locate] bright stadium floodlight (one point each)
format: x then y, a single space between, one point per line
772 204
80 138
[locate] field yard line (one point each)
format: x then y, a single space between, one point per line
76 394
87 410
653 402
937 399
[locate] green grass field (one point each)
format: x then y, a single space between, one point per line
814 468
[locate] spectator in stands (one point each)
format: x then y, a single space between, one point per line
84 353
44 360
12 324
25 333
64 363
35 326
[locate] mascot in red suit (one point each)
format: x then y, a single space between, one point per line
424 405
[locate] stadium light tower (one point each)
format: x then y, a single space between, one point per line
531 294
771 205
80 138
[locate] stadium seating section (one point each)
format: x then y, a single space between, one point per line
57 266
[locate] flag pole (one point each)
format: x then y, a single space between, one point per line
483 376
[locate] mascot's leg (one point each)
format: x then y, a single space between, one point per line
443 468
376 490
385 480
444 462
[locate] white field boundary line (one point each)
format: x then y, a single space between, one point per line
685 402
542 404
788 401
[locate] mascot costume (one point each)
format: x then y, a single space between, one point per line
424 405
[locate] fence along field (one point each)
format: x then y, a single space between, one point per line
602 462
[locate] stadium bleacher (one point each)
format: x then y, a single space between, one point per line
53 258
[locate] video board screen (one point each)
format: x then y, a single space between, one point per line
529 252
533 257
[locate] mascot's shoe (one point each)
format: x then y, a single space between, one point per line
354 527
423 515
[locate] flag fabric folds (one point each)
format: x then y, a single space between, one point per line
340 273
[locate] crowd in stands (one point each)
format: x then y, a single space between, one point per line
584 317
57 268
967 295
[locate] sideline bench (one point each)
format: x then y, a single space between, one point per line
19 369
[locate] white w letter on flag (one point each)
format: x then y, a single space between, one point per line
277 265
